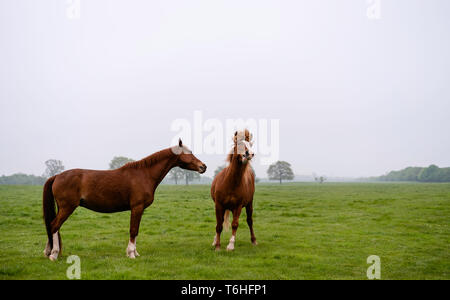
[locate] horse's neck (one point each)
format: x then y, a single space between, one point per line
160 169
235 172
157 170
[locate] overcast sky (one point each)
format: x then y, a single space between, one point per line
354 96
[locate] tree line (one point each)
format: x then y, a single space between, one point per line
279 171
418 174
52 167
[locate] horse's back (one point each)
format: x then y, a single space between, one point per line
68 181
98 190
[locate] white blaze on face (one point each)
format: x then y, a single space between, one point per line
248 145
243 146
183 149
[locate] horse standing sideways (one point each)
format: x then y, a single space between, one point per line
233 188
131 187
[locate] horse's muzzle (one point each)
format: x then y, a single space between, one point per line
202 169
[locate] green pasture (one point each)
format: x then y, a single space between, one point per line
304 231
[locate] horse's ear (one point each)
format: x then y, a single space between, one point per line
180 143
235 134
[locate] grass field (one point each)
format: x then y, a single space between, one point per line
304 231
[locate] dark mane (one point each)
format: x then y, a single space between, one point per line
149 160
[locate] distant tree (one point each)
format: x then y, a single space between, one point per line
281 170
190 175
176 174
119 161
53 167
218 170
319 179
430 174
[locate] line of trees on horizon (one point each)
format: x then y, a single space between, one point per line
431 173
279 171
52 167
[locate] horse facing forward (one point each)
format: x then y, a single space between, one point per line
131 187
233 189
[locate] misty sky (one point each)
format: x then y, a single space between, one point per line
354 96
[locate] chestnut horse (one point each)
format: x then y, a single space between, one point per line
233 188
131 187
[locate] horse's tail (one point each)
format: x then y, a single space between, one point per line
226 220
48 207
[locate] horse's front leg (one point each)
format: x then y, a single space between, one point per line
234 227
135 220
219 226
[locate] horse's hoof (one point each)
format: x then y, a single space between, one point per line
217 248
47 250
52 257
230 247
255 243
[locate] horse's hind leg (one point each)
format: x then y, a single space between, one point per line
234 227
249 210
48 249
63 213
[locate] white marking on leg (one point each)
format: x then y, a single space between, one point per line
47 249
55 250
131 250
135 248
230 246
215 240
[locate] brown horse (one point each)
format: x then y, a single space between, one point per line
233 189
131 187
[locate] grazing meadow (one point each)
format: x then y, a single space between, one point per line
304 231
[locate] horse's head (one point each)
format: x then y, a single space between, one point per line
243 146
187 160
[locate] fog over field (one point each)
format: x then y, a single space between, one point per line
354 96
